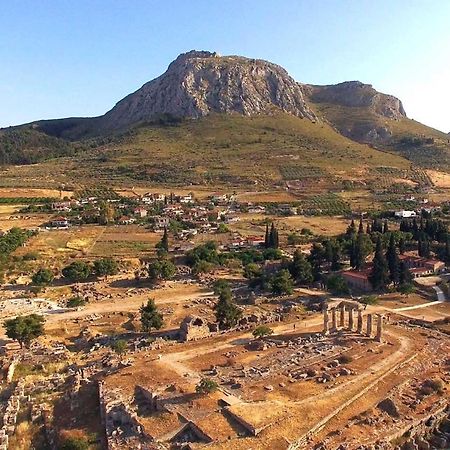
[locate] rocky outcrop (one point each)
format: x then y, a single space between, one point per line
357 94
198 83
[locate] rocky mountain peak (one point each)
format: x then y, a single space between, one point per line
358 94
198 83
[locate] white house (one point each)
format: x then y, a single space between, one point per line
405 214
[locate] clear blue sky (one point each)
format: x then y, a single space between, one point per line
61 58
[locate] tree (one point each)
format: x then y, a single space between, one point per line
227 312
43 277
351 229
77 271
401 245
361 227
161 269
24 329
379 276
252 270
150 316
119 346
282 283
337 285
105 266
316 258
405 276
261 331
385 227
272 238
393 261
206 386
360 249
163 244
301 269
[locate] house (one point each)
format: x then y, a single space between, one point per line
62 206
126 220
140 212
255 241
160 222
231 219
186 199
218 198
151 198
420 267
287 210
404 214
60 222
358 280
258 209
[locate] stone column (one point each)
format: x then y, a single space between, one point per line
350 318
360 321
369 325
333 319
379 328
342 318
325 321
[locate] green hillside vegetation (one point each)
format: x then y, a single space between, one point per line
27 146
232 149
422 145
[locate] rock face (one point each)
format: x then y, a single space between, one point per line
198 83
357 94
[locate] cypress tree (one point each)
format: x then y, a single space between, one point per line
379 277
393 261
361 227
351 229
401 246
266 238
404 274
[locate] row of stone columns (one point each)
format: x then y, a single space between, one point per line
351 321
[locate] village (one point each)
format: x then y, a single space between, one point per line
229 324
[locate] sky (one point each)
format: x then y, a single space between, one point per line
66 58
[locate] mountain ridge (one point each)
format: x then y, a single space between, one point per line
202 83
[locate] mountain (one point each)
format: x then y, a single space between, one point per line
259 115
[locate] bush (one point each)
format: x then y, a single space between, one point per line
105 266
119 346
75 302
432 386
345 359
31 256
369 300
406 288
43 277
77 271
261 331
206 386
75 443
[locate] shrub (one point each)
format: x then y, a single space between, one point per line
75 443
77 271
206 386
119 346
369 300
345 359
432 386
43 277
261 331
74 302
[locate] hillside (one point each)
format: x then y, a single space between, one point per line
234 120
361 113
222 150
